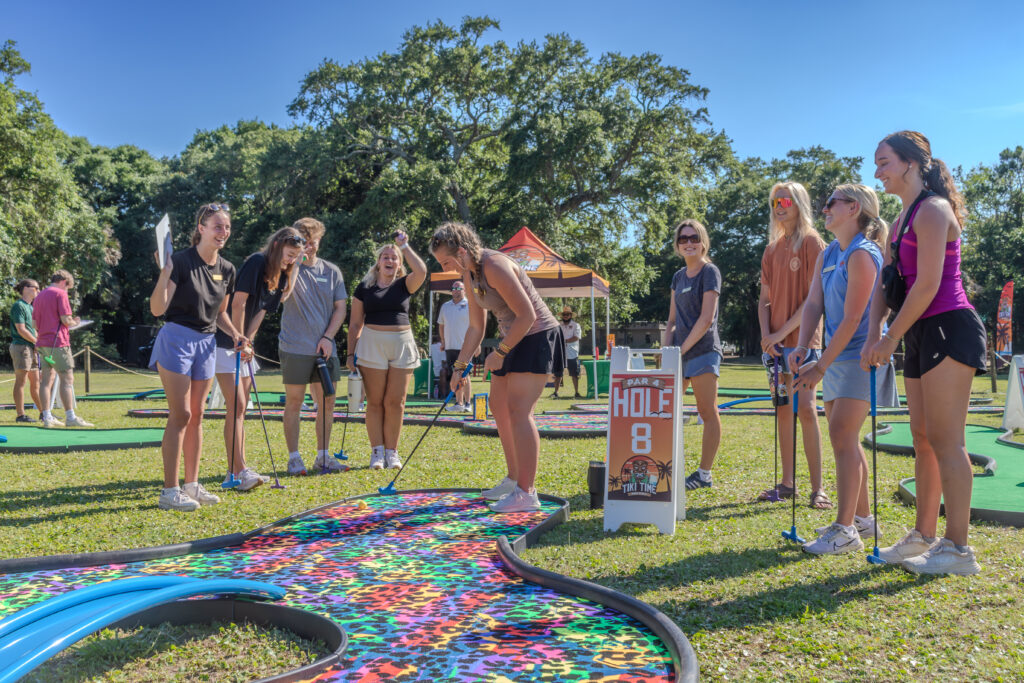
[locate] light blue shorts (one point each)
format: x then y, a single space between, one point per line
703 364
182 350
812 355
845 379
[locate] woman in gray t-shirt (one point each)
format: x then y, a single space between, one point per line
693 327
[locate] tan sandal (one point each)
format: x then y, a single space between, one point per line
820 501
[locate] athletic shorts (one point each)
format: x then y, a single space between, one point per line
24 357
297 368
60 358
451 355
225 363
845 379
957 334
540 353
812 355
381 350
703 364
573 365
185 351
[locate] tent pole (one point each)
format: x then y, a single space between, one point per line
430 342
607 323
593 332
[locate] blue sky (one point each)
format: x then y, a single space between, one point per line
781 75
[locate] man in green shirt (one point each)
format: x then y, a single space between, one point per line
23 348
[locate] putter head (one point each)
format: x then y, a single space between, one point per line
873 558
340 455
388 490
773 497
792 535
277 484
231 482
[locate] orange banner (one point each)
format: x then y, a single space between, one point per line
640 437
1004 322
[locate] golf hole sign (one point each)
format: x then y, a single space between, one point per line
645 441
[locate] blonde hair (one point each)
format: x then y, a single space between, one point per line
702 233
870 223
804 221
371 274
454 236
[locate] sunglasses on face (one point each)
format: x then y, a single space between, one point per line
784 202
692 239
833 200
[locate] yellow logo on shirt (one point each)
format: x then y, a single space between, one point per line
217 277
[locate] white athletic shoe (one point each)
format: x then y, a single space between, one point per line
911 545
296 466
327 464
51 422
943 558
78 422
453 408
504 487
196 492
836 540
176 499
517 501
377 460
392 460
248 479
865 527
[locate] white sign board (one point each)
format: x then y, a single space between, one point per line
1013 415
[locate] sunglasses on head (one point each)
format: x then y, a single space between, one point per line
784 202
692 239
213 208
833 200
294 239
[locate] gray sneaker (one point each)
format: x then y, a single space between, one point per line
392 461
296 466
911 545
176 499
377 460
943 558
327 464
865 527
517 501
836 540
78 422
248 479
196 492
51 422
504 487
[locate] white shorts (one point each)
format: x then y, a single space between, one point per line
225 363
381 350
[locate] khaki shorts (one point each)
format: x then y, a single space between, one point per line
61 355
380 350
24 357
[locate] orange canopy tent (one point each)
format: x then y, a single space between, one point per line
552 276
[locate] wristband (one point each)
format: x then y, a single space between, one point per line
405 245
504 348
460 365
499 352
324 336
892 339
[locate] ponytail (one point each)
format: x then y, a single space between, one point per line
939 180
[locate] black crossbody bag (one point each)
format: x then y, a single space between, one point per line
894 285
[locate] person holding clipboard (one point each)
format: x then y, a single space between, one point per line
51 313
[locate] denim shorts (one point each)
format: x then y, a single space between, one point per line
225 363
185 351
812 355
703 364
845 379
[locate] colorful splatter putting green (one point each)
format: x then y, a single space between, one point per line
417 584
998 496
38 440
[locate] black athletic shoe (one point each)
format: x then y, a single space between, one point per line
23 418
695 482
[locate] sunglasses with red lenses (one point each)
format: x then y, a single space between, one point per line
784 202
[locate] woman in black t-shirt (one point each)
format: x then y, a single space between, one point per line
264 281
380 333
191 295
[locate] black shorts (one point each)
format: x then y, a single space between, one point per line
541 353
573 364
450 356
957 334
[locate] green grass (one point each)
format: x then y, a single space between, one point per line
754 607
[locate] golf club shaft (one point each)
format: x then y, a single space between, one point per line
259 405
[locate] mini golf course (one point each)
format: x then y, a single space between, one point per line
998 493
27 439
425 584
743 407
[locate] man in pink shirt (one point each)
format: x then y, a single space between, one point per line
51 314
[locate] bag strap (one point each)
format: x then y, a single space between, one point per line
906 224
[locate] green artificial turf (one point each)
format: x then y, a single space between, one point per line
29 439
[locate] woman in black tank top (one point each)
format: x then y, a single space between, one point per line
530 349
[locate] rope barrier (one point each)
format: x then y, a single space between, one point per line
121 367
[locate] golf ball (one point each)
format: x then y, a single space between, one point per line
361 505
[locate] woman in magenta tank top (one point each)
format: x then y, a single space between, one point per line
945 346
531 348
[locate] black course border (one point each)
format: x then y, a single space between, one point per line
7 448
301 622
545 432
683 656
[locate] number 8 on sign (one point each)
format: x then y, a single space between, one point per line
641 437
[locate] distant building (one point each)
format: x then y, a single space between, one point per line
640 335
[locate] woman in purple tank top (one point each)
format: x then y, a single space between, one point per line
531 348
945 346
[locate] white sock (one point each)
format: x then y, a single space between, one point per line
390 451
293 454
705 475
172 489
47 415
322 454
69 414
865 518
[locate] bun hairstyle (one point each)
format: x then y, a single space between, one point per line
27 282
702 233
913 147
453 236
868 220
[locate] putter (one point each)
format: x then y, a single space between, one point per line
389 490
232 481
327 386
259 404
773 384
340 455
873 557
792 535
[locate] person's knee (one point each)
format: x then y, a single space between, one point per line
919 435
394 403
179 419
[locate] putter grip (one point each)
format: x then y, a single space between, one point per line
465 373
325 376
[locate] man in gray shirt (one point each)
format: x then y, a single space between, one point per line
311 318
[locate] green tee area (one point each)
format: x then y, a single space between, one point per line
753 606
